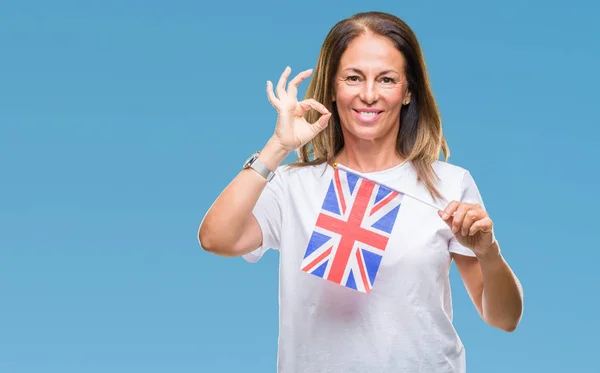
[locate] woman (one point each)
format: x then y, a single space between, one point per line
370 109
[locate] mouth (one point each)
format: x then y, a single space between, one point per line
367 115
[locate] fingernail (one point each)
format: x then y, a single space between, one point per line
444 215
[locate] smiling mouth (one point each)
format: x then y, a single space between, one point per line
367 116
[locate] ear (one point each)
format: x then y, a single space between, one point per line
407 98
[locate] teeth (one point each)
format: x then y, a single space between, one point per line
367 114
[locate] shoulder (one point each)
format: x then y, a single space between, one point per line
453 180
446 170
452 174
294 179
288 172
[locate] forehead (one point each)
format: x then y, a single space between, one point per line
372 51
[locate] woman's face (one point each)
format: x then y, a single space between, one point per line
370 88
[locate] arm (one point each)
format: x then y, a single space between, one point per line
229 228
493 288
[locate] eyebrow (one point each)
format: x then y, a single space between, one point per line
360 72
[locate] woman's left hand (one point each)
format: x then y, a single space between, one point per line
471 226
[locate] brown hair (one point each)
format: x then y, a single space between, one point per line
420 137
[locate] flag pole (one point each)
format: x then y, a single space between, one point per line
337 165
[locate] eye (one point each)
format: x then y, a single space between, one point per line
353 78
388 80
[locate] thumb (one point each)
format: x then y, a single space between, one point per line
449 219
320 124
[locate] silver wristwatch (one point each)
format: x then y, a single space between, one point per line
254 163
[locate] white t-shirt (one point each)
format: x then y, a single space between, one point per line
404 324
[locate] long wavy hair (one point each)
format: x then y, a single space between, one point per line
420 137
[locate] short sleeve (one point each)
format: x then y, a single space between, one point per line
469 193
268 213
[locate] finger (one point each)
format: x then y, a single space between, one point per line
323 121
294 83
484 225
311 103
320 124
472 215
449 210
282 81
272 99
459 216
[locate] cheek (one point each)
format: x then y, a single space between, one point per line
393 96
345 95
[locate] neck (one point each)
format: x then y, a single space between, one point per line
369 156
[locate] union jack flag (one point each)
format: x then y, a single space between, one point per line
352 231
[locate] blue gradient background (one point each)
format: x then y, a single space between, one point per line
120 122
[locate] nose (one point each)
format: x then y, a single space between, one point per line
369 93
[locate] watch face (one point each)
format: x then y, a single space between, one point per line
250 160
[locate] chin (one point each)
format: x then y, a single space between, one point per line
368 133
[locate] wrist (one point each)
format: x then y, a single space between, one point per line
273 154
491 254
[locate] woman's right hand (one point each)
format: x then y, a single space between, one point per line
292 130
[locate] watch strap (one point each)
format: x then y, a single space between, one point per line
262 169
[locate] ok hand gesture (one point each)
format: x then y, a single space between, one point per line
292 130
